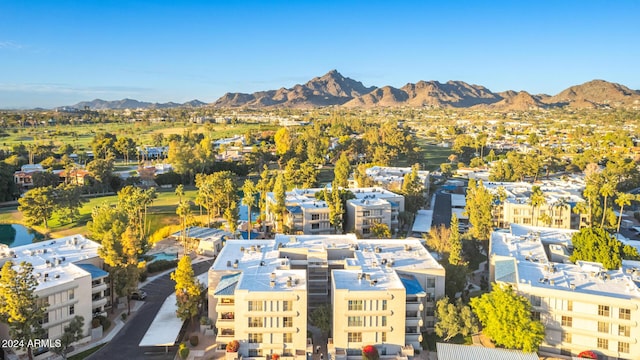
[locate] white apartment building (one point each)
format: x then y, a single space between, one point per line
582 306
561 198
392 178
382 292
305 214
373 205
70 280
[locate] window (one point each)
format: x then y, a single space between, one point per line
255 338
623 330
603 327
72 309
567 321
384 304
366 231
315 226
603 344
603 310
287 337
623 347
535 300
384 336
384 320
354 337
516 212
255 305
255 322
535 315
287 321
287 305
45 318
526 221
570 305
431 283
566 337
355 304
557 222
71 294
625 314
227 301
315 216
366 213
354 321
255 352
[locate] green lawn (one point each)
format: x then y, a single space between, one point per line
161 213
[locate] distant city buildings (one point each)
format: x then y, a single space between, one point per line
382 292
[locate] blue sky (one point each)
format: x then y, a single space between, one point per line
55 53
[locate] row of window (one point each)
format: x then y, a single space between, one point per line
356 337
623 347
603 310
372 305
258 322
260 305
603 326
359 321
256 338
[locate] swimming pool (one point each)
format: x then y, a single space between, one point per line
163 256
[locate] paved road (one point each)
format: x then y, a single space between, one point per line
125 344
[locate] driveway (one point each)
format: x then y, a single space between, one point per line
125 344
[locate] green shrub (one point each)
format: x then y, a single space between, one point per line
161 265
163 233
183 351
143 275
124 316
101 320
95 323
193 340
205 320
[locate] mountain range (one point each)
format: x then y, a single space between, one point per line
334 89
99 104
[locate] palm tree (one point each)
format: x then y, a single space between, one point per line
622 200
607 189
248 199
561 204
536 199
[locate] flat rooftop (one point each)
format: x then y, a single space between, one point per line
569 190
53 260
530 265
261 263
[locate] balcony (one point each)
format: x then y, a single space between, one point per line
99 302
98 288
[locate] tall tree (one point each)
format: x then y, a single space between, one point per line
279 195
188 289
454 319
249 192
20 308
478 207
413 190
37 205
623 200
455 256
506 319
71 334
608 189
342 171
536 199
380 231
68 200
595 244
438 239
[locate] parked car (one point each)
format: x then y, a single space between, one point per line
138 295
